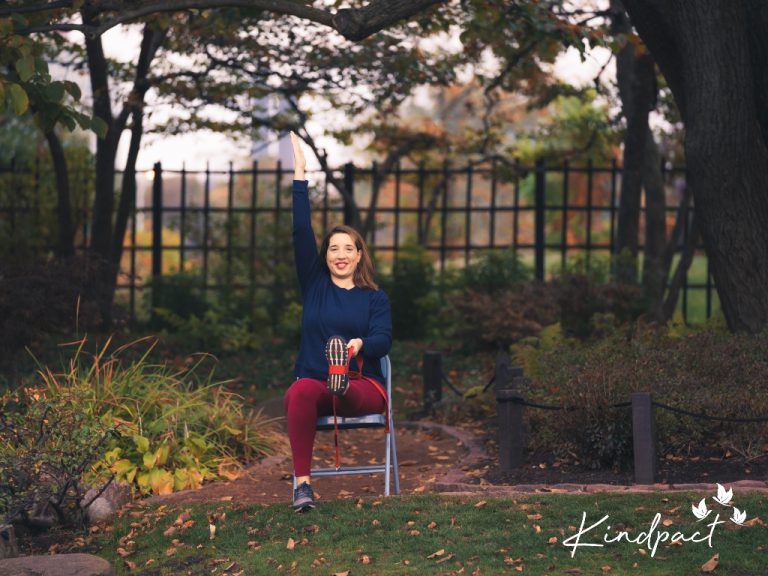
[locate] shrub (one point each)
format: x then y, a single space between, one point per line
172 431
46 445
412 295
702 371
48 297
495 271
497 320
581 298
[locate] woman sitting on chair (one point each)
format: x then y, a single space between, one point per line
345 315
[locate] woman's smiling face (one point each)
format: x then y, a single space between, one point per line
342 257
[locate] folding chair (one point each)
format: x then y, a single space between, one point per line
367 421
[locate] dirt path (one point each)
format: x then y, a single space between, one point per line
426 456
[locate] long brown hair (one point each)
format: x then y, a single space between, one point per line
364 273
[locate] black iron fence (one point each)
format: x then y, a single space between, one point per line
232 227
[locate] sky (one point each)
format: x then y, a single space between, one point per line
197 149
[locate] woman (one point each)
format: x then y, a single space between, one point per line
345 316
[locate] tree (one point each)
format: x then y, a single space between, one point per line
713 54
23 19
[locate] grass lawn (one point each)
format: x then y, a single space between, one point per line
439 535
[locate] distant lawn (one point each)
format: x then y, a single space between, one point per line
440 535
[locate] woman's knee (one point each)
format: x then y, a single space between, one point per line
305 389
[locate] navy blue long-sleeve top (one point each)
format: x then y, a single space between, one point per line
329 310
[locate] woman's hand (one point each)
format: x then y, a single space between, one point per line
299 162
354 346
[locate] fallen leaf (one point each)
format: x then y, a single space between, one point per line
445 559
375 522
711 564
122 552
481 504
432 525
365 559
170 532
212 530
170 551
754 521
345 573
291 544
552 540
667 522
436 554
414 532
535 516
537 528
605 568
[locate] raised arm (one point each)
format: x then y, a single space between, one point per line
304 246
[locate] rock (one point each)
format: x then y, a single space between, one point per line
9 548
56 565
110 501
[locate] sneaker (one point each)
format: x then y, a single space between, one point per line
303 498
337 354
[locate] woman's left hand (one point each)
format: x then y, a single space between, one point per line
354 345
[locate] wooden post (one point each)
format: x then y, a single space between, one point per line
433 384
9 548
644 438
510 414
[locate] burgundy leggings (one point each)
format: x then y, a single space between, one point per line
308 398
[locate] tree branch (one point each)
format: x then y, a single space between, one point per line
353 23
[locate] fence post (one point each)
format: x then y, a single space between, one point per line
643 438
9 547
539 208
157 221
349 184
432 371
510 414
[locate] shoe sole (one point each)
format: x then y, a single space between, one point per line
303 508
337 354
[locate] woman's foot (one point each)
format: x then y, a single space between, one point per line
337 354
303 498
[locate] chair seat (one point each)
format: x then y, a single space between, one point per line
350 422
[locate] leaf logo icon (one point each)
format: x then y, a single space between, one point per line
738 516
723 496
701 510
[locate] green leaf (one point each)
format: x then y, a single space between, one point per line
19 21
73 88
54 91
99 127
149 460
142 444
26 68
143 481
161 455
41 66
19 99
161 481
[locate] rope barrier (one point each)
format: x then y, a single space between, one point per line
707 416
700 415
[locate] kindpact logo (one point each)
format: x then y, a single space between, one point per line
653 537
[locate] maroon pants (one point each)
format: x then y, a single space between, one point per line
308 398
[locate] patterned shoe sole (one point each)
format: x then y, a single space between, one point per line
337 354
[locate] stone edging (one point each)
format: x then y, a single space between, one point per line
453 482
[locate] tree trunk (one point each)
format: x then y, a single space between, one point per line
66 246
703 49
636 78
655 273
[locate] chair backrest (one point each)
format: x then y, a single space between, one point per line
386 371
